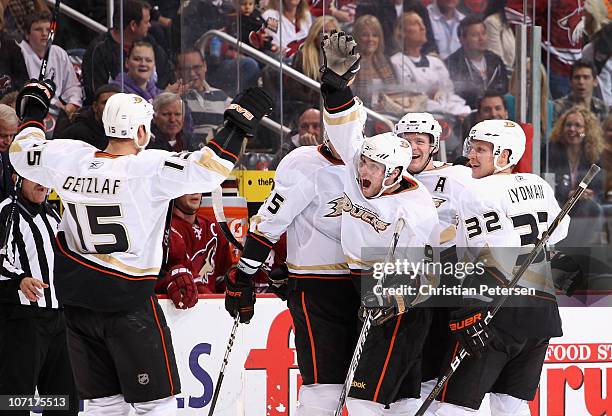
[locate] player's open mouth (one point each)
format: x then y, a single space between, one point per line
365 184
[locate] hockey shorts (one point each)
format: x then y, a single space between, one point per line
325 321
128 353
390 365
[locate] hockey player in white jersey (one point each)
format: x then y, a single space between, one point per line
378 193
446 183
501 217
110 239
308 189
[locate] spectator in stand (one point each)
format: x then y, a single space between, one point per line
102 62
566 32
87 125
388 13
474 68
167 128
13 71
607 161
583 80
308 132
138 77
9 125
575 143
500 36
198 251
308 60
205 103
599 53
445 19
342 10
376 74
15 13
59 69
294 24
9 99
252 28
421 74
491 106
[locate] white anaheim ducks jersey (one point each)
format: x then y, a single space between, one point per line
308 189
505 211
446 183
115 206
368 224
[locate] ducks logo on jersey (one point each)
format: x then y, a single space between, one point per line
344 204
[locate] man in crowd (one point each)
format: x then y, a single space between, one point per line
32 325
9 124
87 124
101 62
308 134
474 69
205 103
445 19
491 106
583 80
168 122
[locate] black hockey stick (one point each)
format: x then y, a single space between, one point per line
569 204
230 344
52 29
9 220
365 329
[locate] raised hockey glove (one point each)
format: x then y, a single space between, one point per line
34 99
239 295
248 108
340 60
382 307
470 327
278 279
181 288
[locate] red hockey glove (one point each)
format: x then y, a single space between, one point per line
239 295
181 289
470 327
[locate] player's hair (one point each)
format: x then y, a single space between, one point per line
398 31
30 19
469 20
7 114
582 64
132 10
593 144
164 99
302 14
311 49
367 21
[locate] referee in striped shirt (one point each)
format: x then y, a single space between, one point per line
33 351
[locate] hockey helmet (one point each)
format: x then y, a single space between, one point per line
420 123
502 134
124 114
390 150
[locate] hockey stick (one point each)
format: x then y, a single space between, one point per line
230 344
569 204
52 28
217 203
9 220
365 329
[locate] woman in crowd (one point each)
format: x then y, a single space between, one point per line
576 142
500 36
423 75
289 26
140 66
376 73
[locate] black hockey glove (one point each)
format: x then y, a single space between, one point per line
239 295
34 99
382 307
340 60
470 327
248 108
278 281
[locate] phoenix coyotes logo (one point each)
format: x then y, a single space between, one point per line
344 204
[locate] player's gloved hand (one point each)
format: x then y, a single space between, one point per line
181 288
382 307
470 327
239 295
34 99
278 279
340 60
248 108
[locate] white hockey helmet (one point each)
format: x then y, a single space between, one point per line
420 123
124 114
390 150
502 134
